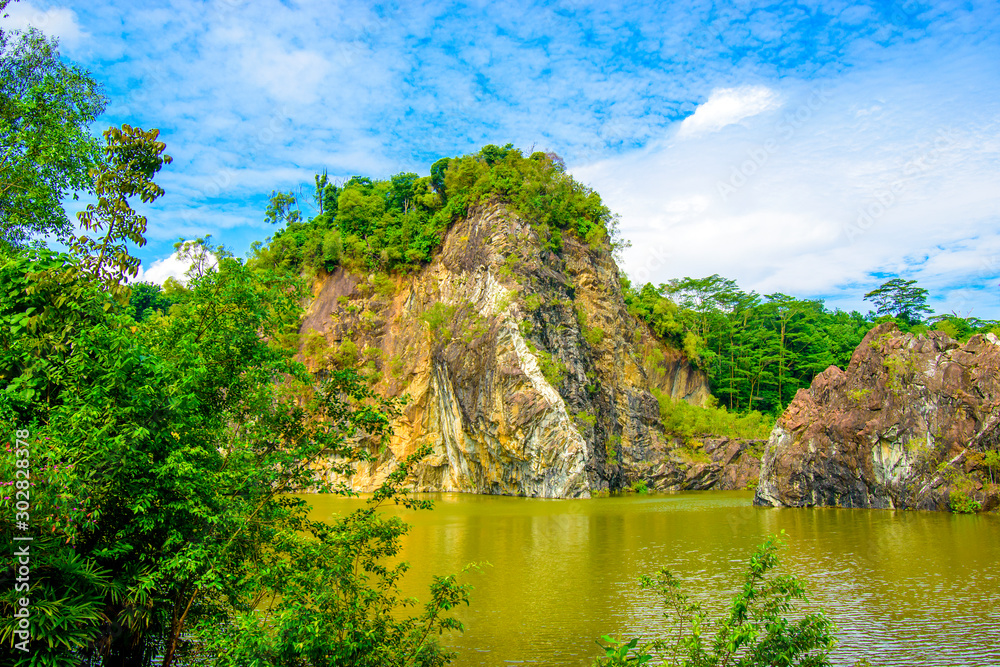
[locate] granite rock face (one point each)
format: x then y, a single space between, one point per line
523 368
911 421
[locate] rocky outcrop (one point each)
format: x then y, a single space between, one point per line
523 369
912 423
723 464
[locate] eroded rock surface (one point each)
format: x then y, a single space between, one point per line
908 423
524 371
723 464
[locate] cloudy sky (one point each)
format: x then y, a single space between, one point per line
812 148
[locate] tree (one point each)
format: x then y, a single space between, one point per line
438 171
133 156
281 209
146 298
46 150
755 632
175 440
901 299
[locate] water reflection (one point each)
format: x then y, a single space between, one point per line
905 588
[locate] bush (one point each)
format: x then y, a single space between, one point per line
960 503
639 486
753 633
682 419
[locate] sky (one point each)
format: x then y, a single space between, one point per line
815 149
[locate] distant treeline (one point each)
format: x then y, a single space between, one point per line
759 350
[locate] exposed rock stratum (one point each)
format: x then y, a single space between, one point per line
909 423
523 368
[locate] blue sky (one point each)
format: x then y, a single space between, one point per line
814 148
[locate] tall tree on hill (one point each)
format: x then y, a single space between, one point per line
900 298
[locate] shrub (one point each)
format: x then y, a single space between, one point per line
754 632
682 419
960 503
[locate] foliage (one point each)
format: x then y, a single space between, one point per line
174 444
758 351
756 631
960 503
438 317
395 225
147 298
551 366
280 209
640 486
682 419
46 149
133 157
991 461
901 299
963 328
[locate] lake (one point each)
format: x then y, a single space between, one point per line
904 588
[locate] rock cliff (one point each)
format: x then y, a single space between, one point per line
914 422
523 368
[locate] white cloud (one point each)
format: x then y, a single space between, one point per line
818 201
728 106
58 22
169 267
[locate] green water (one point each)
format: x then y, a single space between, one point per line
905 588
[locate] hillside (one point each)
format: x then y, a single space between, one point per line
522 366
487 294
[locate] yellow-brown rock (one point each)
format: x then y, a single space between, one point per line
523 369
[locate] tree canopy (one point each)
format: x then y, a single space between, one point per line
46 149
396 224
901 299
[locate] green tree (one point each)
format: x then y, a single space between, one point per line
133 157
175 445
756 353
146 298
282 209
438 170
901 299
46 150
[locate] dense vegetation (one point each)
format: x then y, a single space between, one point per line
161 451
395 225
152 435
759 350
